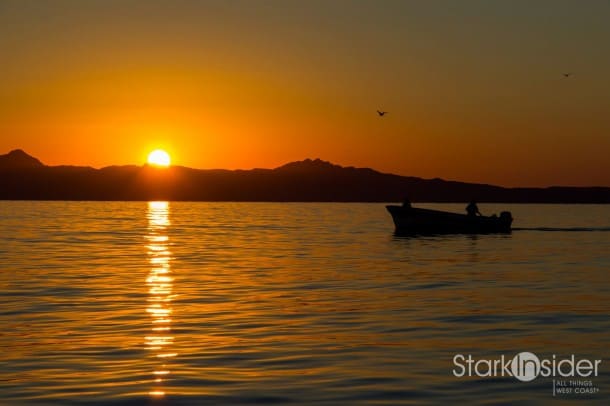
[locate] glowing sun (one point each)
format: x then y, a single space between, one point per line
159 158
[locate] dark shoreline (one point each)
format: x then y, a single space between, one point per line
23 177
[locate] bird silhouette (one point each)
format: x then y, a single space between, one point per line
567 75
381 113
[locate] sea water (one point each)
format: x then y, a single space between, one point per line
216 303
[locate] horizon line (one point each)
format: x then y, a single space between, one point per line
146 164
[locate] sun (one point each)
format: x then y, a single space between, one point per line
159 158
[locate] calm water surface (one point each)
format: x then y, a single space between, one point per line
214 303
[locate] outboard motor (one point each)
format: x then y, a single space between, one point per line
506 219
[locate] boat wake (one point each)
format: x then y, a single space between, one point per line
563 229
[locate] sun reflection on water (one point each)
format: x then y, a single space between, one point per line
159 282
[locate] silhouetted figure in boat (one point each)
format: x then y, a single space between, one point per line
381 113
406 203
472 209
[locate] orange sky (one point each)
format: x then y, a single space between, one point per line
474 90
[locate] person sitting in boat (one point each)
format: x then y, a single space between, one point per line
472 209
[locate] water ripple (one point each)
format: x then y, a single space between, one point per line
235 303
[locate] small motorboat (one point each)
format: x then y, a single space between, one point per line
411 220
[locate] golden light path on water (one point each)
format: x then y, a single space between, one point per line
159 283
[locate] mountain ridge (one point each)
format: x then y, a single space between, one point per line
23 177
18 158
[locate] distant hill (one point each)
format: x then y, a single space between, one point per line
23 177
18 159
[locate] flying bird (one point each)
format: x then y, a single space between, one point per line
381 113
567 75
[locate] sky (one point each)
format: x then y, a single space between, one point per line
474 90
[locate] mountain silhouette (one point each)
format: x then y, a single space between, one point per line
18 159
23 177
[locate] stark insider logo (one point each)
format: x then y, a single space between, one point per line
525 366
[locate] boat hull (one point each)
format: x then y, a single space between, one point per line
410 220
